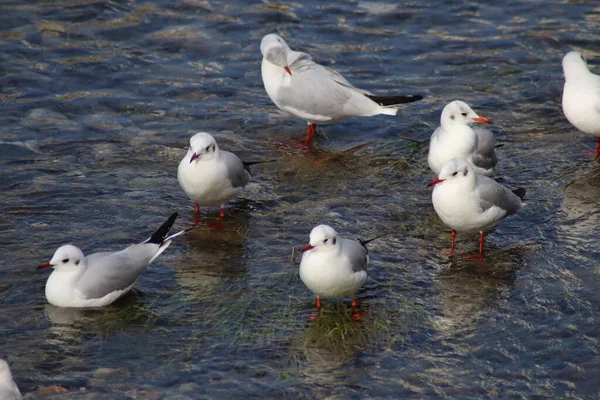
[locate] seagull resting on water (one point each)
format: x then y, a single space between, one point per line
304 89
99 279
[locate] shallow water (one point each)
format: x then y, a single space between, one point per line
99 100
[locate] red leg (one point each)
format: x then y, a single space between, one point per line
480 256
311 130
197 208
597 158
356 314
315 316
453 235
222 214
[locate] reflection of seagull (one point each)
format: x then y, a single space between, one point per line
8 387
210 176
99 279
581 96
304 89
456 138
333 267
469 203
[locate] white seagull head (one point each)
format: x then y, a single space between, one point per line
203 147
322 238
456 171
274 49
574 65
459 113
67 257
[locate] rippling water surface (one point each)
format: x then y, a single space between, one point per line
98 101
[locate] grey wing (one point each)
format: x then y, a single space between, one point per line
236 172
317 91
107 272
485 154
356 254
493 194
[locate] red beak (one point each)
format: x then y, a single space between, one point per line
307 247
287 69
483 120
194 156
435 182
45 265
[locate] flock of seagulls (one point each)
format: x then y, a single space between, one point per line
464 195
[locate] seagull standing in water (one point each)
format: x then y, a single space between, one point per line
333 267
210 176
304 89
8 387
581 96
99 279
456 138
469 203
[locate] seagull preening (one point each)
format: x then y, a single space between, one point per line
456 138
470 203
99 279
581 96
333 267
210 176
304 89
8 387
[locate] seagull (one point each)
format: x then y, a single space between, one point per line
209 176
581 96
8 387
304 89
333 267
99 279
456 138
469 203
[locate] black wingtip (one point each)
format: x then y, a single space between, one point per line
364 243
247 164
394 100
161 233
520 192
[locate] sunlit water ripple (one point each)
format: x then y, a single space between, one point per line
99 100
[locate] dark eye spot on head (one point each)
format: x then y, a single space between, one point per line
207 148
463 114
452 116
325 241
66 260
334 240
77 262
454 174
466 171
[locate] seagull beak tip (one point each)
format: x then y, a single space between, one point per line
307 247
44 265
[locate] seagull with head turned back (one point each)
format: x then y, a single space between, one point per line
304 89
101 278
210 176
334 267
581 96
456 138
8 387
469 203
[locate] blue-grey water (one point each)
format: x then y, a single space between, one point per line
98 101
